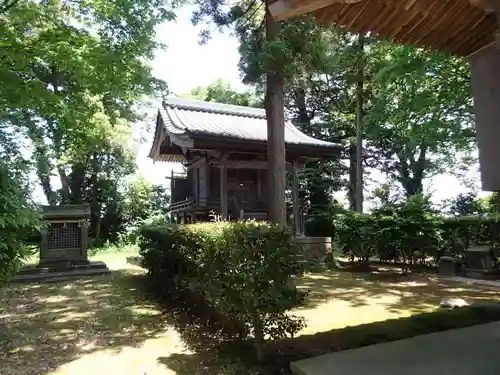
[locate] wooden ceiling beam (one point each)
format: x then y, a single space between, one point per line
488 6
286 9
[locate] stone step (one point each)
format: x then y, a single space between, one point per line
59 272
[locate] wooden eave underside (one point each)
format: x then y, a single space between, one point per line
451 26
258 148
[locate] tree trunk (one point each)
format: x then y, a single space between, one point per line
47 189
76 184
43 172
65 193
351 191
359 124
275 132
300 97
95 202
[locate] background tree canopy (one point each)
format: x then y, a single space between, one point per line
76 77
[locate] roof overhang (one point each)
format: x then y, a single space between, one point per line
459 27
173 138
168 147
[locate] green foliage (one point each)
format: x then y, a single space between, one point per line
412 232
407 232
221 92
468 204
139 202
18 215
241 269
18 220
460 232
420 121
320 219
72 78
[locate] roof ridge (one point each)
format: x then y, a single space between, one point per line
213 107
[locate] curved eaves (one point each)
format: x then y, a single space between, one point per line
158 138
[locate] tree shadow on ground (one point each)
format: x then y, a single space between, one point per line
46 325
212 353
396 293
210 339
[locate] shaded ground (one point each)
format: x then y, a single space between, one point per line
91 326
106 324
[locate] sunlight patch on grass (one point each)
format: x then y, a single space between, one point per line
341 299
126 360
144 310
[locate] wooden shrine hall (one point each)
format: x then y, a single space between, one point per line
223 148
467 28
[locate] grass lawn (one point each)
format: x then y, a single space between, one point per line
341 299
106 325
115 257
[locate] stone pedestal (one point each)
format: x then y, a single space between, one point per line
448 266
315 249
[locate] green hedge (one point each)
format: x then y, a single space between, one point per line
461 232
409 237
241 269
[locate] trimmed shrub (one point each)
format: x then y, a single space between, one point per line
408 236
405 233
241 269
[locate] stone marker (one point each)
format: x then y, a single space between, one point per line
448 265
453 303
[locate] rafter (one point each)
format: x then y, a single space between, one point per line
286 9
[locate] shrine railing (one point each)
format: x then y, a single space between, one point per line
194 203
214 204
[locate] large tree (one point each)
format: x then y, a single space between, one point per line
421 123
72 77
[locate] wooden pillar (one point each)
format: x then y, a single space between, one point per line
259 185
485 79
295 198
223 190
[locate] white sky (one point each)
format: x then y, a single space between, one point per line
185 64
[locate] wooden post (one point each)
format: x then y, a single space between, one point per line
295 198
259 185
223 189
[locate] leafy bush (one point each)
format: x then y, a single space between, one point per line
406 232
460 232
18 220
241 269
411 231
131 233
354 233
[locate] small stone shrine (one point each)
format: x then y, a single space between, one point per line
65 237
63 246
479 262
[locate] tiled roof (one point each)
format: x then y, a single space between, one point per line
193 117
